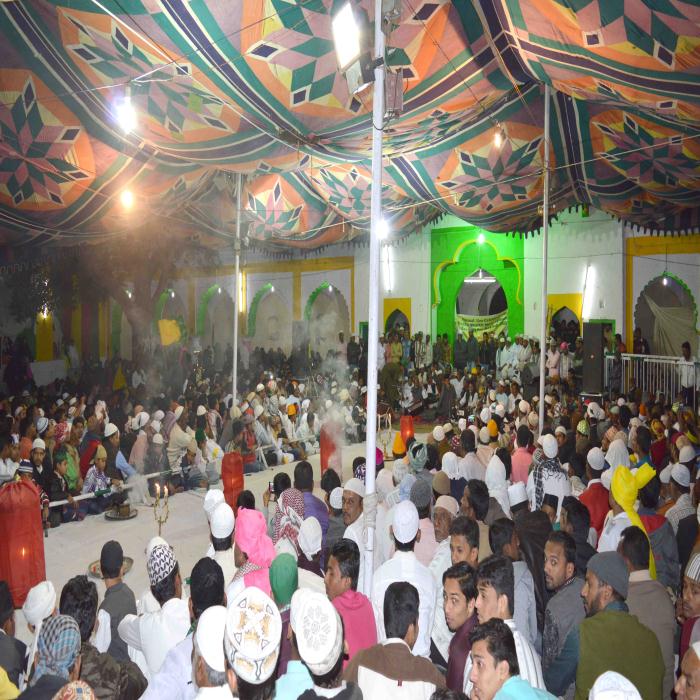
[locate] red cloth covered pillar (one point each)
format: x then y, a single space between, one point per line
328 447
232 476
406 428
22 562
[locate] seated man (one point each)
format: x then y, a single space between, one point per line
389 669
155 633
496 585
495 670
104 674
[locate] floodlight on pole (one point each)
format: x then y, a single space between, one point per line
346 36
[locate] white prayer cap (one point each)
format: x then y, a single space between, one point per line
142 419
157 439
550 447
621 401
687 454
329 403
524 407
406 522
65 395
462 424
448 503
681 475
158 415
613 686
344 395
484 436
259 388
40 602
560 430
222 521
336 498
355 486
318 630
156 426
665 474
594 410
154 542
253 635
549 400
201 411
258 411
492 395
485 415
42 424
209 637
212 499
310 537
59 402
160 564
73 401
517 494
532 419
596 459
305 404
110 429
178 412
439 433
38 444
447 427
500 410
302 386
606 477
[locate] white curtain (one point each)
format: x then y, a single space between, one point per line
673 325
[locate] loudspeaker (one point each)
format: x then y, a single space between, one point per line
593 358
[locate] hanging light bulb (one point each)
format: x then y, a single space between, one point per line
665 280
218 291
330 288
172 294
126 114
498 138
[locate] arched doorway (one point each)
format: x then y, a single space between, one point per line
397 320
481 294
566 324
269 321
218 325
327 315
667 315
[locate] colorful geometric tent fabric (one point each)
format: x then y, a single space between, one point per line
252 86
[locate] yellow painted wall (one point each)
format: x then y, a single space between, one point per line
571 301
402 304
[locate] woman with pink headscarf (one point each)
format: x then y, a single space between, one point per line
253 550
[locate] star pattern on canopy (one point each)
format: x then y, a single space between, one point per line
253 87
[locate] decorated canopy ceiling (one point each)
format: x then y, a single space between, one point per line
251 86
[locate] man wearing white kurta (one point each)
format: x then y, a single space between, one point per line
156 633
404 566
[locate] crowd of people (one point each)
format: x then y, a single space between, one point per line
509 559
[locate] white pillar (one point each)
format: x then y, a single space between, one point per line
236 286
545 233
374 253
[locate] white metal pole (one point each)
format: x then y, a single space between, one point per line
545 232
236 286
374 254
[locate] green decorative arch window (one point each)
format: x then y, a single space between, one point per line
252 314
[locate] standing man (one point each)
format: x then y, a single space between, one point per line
472 350
460 351
688 375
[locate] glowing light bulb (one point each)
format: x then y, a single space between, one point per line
330 287
172 294
272 289
218 291
126 115
498 139
665 281
127 199
481 238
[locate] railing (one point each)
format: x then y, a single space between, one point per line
655 375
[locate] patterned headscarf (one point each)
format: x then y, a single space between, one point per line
58 647
543 467
161 562
289 515
417 456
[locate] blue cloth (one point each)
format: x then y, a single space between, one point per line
123 466
294 682
516 688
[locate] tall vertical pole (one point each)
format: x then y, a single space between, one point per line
545 233
374 254
236 286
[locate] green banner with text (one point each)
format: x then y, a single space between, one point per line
493 325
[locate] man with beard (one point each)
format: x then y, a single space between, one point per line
609 639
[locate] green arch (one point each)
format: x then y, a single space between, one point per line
158 309
202 308
266 289
312 298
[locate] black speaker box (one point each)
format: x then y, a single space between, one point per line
593 358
